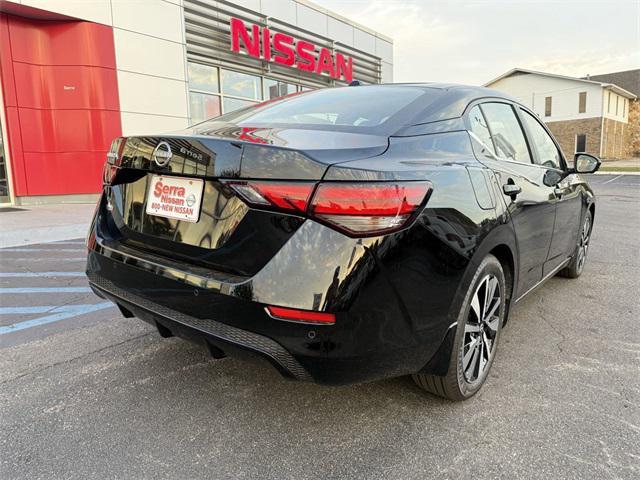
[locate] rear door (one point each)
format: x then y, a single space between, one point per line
507 152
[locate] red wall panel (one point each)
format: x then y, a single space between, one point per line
62 43
70 172
6 65
61 77
98 128
13 144
68 86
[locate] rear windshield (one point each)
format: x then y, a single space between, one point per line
363 109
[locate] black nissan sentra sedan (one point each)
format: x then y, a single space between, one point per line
346 234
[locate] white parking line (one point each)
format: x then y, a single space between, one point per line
40 274
611 180
46 290
60 313
57 259
32 310
11 249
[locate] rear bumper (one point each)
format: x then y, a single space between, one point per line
213 333
377 333
360 347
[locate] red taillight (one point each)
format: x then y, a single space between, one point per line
108 173
295 315
357 209
114 156
292 196
364 209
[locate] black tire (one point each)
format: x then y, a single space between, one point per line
460 382
579 258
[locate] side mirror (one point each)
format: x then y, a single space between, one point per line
585 163
552 177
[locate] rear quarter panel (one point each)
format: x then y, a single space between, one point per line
427 267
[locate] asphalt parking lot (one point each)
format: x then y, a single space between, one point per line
88 394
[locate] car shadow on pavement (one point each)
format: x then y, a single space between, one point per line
243 389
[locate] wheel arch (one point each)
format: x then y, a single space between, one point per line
505 256
501 243
588 205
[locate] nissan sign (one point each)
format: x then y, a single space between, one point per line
260 42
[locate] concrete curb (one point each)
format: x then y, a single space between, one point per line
617 173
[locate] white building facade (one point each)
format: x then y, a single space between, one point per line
584 115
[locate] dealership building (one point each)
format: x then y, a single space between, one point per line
76 74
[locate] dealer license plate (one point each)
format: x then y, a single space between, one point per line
175 197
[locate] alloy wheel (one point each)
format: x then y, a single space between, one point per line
481 328
583 244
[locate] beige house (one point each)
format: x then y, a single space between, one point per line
585 115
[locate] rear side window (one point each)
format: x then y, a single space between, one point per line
480 128
548 154
363 109
507 135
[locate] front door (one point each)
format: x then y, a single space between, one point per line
566 190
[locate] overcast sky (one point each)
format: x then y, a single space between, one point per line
473 41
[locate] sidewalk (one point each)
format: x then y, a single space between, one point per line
628 166
627 162
44 223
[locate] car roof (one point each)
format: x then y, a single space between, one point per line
453 87
456 90
454 99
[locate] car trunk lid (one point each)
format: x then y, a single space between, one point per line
222 232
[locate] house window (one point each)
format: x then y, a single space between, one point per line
617 102
581 143
582 102
547 106
609 102
624 107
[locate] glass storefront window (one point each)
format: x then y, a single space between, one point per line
241 85
203 106
231 104
214 90
274 89
203 77
4 181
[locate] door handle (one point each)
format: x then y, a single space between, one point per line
511 189
558 192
